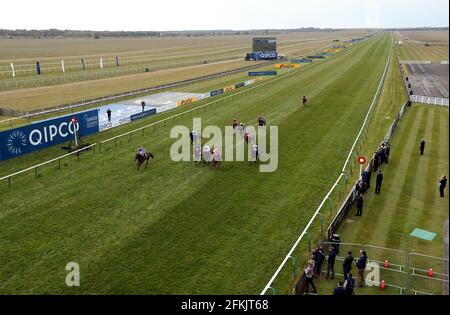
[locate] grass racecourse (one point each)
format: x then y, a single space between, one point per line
177 228
414 48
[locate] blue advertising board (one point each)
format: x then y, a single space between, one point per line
143 114
216 92
239 85
302 61
265 55
40 135
261 73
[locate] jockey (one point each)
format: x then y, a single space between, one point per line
197 153
255 152
248 137
217 156
194 136
141 151
235 123
261 121
207 153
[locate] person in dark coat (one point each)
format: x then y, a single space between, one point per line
376 161
359 205
340 290
319 258
349 284
109 113
143 106
388 152
442 185
366 176
361 265
331 260
347 265
380 177
422 147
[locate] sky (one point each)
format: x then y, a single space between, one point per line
171 15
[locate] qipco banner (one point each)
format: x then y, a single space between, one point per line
265 55
37 136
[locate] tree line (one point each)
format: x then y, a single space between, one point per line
56 33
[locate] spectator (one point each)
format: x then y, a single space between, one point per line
361 265
143 106
331 260
443 184
361 187
319 261
382 154
109 113
366 176
380 177
340 290
359 204
422 147
388 152
309 275
349 284
347 266
376 161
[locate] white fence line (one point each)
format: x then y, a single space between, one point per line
430 100
35 167
316 213
416 62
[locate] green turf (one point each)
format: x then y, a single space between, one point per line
176 228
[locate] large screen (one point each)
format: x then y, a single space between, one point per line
261 44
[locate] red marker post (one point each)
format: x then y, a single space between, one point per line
361 160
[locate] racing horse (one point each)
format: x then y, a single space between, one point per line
217 158
305 100
141 159
262 121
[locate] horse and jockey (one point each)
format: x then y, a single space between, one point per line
210 155
142 157
305 100
262 121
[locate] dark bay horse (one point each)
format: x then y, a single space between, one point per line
141 159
